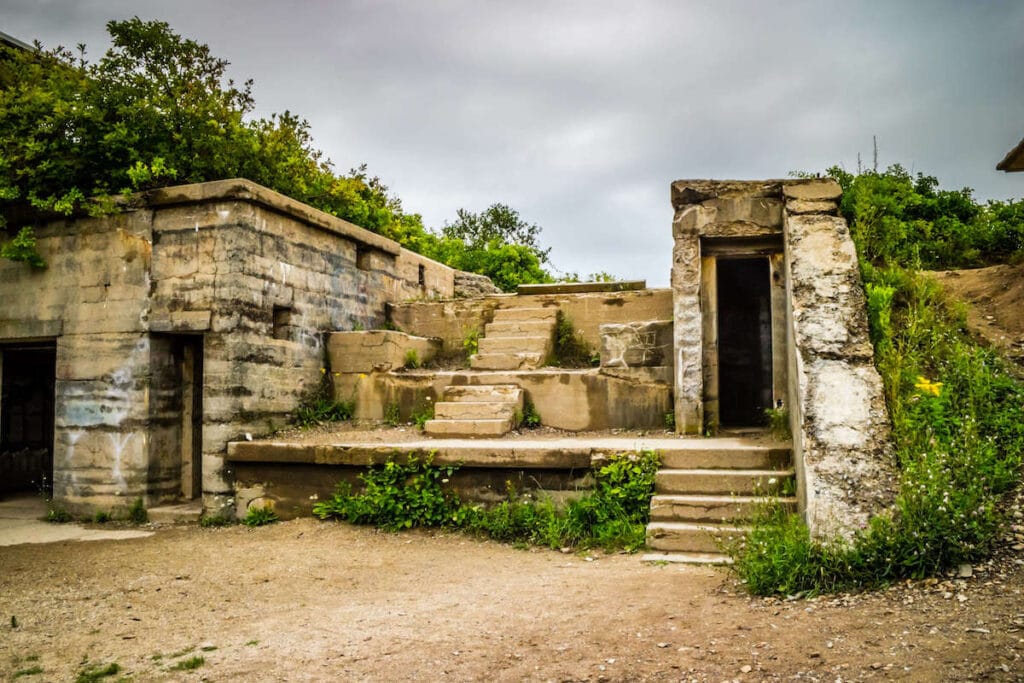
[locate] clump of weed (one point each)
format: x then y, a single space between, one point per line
319 405
101 517
570 351
778 423
412 359
530 418
29 671
214 521
471 341
392 414
260 515
57 515
422 411
189 664
670 420
137 512
98 673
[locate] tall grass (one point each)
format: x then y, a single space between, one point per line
958 430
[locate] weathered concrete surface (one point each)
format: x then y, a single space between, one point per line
575 400
246 278
639 344
21 521
838 412
470 285
453 320
377 350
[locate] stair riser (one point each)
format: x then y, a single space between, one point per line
484 392
503 361
743 459
686 541
706 512
467 429
515 314
521 328
539 345
723 483
464 410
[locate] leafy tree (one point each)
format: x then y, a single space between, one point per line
899 219
496 243
157 110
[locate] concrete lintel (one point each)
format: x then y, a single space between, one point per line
582 287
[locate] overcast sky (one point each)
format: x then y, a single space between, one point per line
580 114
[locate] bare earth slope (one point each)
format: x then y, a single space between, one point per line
995 298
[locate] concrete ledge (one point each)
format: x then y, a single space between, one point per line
582 287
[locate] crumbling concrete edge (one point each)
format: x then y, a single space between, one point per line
842 446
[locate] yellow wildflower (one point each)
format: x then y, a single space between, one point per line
925 385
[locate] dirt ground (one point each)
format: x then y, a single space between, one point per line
311 601
308 601
996 301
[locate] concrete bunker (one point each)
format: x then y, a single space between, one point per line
203 315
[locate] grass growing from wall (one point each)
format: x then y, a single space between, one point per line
958 436
402 496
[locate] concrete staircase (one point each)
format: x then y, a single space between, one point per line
517 339
703 497
475 411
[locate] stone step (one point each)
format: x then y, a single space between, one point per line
474 410
686 537
510 314
489 345
506 361
520 328
467 429
687 558
176 513
746 457
510 393
687 508
722 481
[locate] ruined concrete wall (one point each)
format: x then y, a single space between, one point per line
91 303
452 320
822 356
264 286
841 425
257 277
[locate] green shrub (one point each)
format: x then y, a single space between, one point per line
101 517
260 516
319 405
400 496
471 342
570 350
57 515
412 359
530 417
23 248
137 512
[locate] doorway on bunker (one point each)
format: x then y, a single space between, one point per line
27 384
744 341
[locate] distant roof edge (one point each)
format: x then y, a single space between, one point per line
1014 159
11 41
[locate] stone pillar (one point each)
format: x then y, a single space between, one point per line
686 312
839 417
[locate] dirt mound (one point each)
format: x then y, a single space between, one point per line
995 304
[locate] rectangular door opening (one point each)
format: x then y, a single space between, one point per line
26 418
191 360
744 341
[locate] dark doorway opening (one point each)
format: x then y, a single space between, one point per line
744 341
191 360
26 417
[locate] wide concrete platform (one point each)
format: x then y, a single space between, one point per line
526 453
